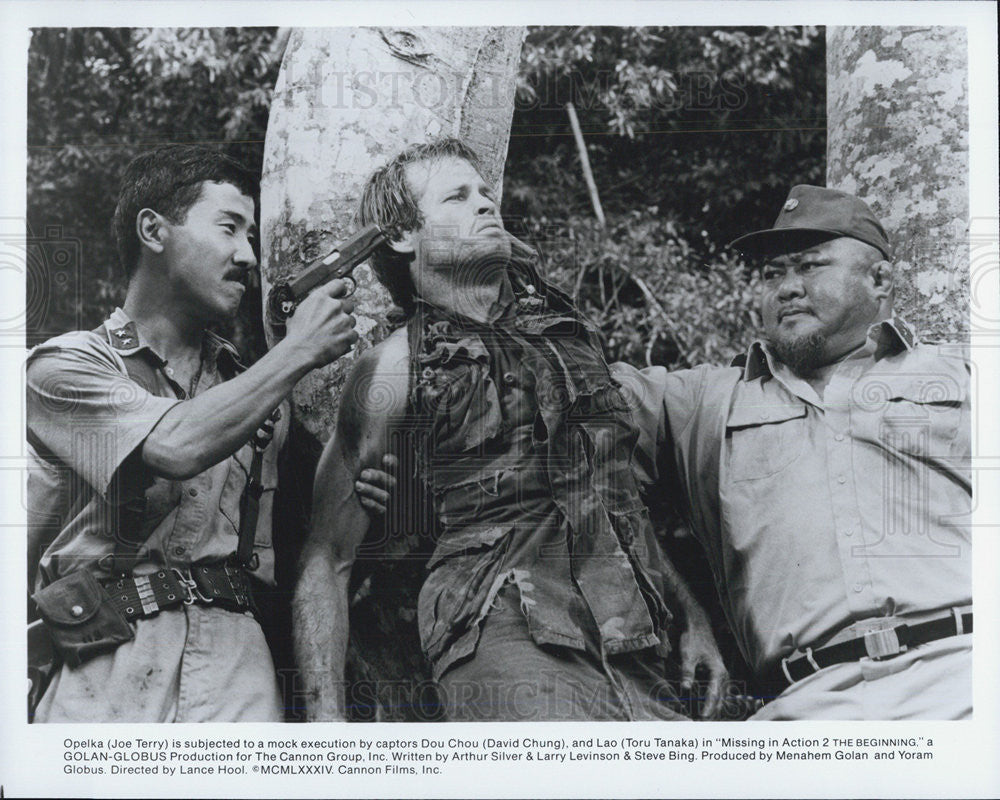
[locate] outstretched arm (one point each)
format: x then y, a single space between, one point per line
651 391
200 432
374 396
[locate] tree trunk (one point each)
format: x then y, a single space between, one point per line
345 102
897 122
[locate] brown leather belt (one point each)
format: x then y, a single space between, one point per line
140 596
877 645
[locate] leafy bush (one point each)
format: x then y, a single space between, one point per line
96 98
657 299
694 136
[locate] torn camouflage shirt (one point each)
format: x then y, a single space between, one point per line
527 453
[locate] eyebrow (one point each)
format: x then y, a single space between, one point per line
794 257
454 187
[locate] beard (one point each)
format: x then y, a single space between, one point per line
801 354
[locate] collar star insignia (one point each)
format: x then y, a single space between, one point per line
125 337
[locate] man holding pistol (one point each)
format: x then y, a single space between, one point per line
154 462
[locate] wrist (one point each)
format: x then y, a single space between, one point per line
298 359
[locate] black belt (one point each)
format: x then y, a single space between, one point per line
223 585
877 645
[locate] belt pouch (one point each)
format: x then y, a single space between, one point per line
81 618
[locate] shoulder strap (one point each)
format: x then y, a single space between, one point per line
126 519
252 491
250 499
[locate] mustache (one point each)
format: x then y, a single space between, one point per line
240 274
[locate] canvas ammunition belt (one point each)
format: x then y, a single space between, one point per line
224 585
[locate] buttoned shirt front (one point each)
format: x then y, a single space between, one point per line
816 512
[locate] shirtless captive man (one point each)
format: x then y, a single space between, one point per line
547 595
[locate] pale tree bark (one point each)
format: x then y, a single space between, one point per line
897 122
346 101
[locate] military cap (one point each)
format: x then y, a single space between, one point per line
812 214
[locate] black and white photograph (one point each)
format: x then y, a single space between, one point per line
452 396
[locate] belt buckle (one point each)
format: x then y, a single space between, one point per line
881 638
192 594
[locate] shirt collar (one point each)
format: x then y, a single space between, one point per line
127 339
885 338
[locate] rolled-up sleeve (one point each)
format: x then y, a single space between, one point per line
83 410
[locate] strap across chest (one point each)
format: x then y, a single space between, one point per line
128 519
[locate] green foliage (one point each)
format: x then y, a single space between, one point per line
695 136
96 98
658 299
711 126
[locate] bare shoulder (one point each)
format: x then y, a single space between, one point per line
375 392
390 356
378 382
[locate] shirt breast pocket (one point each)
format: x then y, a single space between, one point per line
764 439
920 415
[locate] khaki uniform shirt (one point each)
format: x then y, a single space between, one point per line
87 420
817 512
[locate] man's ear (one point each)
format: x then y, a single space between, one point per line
406 243
150 229
883 276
